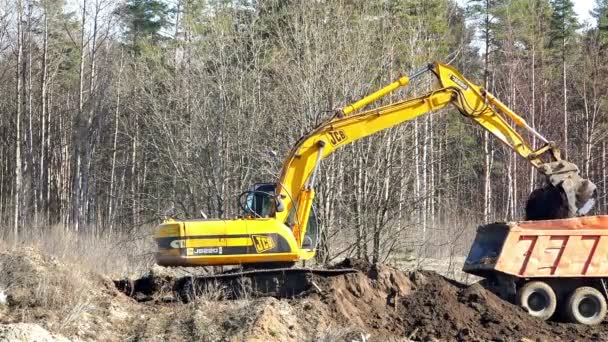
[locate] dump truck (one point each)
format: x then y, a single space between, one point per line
552 268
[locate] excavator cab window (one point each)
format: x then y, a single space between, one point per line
312 231
260 199
311 237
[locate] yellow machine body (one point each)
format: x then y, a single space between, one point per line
282 235
224 242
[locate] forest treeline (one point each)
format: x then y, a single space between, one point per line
113 112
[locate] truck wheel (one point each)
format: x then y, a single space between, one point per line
586 305
538 299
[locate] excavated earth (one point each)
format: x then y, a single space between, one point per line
376 303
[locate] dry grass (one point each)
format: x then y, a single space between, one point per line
115 255
41 287
340 333
212 292
51 275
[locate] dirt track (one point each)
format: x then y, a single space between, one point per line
379 302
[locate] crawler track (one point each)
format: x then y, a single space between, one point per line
277 282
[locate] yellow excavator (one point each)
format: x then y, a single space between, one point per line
277 228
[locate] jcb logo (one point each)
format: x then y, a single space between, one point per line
337 136
262 243
460 82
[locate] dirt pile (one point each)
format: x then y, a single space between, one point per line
368 299
376 303
27 332
30 279
424 306
379 301
47 295
64 299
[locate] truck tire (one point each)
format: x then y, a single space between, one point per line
586 305
538 298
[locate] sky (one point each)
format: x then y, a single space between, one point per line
582 8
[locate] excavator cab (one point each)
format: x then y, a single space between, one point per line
260 200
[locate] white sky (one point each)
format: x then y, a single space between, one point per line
582 8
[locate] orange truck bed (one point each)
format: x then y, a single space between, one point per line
547 267
576 247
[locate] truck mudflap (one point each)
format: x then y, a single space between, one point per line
486 249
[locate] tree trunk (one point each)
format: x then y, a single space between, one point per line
487 149
358 204
418 183
89 130
114 148
135 218
565 92
533 117
43 133
30 168
424 188
80 130
18 174
604 180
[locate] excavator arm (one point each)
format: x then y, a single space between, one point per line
295 188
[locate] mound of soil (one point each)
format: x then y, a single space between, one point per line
27 332
31 279
379 301
64 299
423 305
376 303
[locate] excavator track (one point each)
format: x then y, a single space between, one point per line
275 282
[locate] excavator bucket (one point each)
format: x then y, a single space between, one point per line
566 194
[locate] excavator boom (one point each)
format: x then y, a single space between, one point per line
575 195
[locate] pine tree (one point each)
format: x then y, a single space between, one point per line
483 13
563 28
600 13
143 21
564 22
